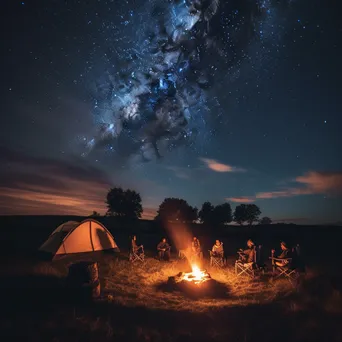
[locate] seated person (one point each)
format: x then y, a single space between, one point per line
196 247
137 249
217 250
285 253
163 250
247 256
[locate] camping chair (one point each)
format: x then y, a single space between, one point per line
289 268
137 254
161 256
250 269
196 256
182 253
260 260
216 261
298 260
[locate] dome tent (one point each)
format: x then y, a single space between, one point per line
79 237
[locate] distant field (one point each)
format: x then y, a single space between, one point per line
135 307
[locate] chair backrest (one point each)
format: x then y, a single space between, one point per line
259 257
255 254
131 244
297 257
296 250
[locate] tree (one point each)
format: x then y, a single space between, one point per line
176 209
246 213
265 221
124 203
252 214
222 214
206 213
95 214
240 214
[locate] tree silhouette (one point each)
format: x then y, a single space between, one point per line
124 203
240 214
206 213
246 213
265 221
253 213
222 214
176 209
95 214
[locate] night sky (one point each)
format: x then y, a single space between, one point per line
266 128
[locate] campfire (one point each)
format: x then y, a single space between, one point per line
197 276
196 284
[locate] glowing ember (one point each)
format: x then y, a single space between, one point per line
197 276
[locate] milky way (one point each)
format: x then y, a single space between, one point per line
163 64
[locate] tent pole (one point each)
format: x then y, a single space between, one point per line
91 237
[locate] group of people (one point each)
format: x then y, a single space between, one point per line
246 256
164 248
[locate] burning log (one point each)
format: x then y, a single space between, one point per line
196 284
197 276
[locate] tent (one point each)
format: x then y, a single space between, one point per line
79 237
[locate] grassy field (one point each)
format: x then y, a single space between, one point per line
134 305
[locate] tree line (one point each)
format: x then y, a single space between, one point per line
127 204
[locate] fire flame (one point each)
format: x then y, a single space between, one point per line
196 276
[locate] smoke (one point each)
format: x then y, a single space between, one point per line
156 96
180 235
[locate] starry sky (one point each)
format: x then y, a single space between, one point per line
269 133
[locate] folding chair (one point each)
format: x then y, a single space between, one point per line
249 269
216 261
298 261
183 253
285 267
164 256
260 260
135 255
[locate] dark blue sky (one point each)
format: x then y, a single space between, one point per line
274 139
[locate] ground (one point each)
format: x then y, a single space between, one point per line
134 305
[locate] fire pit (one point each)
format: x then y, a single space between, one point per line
196 277
196 284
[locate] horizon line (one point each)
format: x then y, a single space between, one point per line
275 222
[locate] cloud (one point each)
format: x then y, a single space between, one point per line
149 214
322 182
243 199
36 185
284 193
216 166
311 183
43 186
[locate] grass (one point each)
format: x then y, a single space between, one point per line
134 306
137 285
